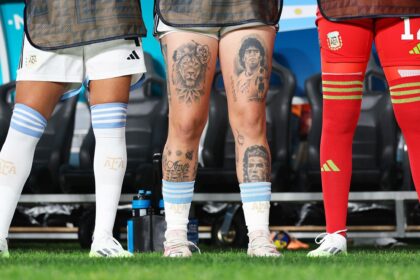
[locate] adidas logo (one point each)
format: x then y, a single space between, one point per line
415 50
330 166
133 55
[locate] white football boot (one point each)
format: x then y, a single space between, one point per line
177 244
330 245
4 250
261 245
108 247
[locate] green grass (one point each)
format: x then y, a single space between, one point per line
49 261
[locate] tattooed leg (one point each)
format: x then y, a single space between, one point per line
179 166
245 58
190 64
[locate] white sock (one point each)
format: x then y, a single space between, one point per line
16 157
108 122
177 197
256 205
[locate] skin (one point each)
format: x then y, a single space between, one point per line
188 116
246 115
44 96
189 79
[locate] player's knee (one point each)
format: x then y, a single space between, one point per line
250 124
28 121
187 130
341 124
109 119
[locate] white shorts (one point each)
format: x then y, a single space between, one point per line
82 64
217 33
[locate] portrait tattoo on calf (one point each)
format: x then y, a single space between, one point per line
252 70
190 63
256 164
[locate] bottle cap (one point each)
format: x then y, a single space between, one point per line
140 204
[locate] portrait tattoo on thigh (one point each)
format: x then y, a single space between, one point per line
189 71
252 70
256 164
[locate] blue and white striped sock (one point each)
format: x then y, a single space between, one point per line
16 157
108 122
177 197
256 205
28 121
109 115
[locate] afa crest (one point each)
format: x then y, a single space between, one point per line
334 40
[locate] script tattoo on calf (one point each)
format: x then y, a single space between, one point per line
178 169
251 68
256 164
175 170
189 71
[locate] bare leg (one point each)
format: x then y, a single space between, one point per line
190 76
40 96
246 72
245 57
190 61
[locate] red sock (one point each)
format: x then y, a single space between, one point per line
342 96
405 96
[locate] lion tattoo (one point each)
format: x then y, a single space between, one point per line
189 69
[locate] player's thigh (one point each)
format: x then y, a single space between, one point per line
40 96
111 63
348 44
111 67
109 90
190 65
246 59
397 41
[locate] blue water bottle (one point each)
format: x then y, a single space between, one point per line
161 207
149 210
139 207
139 204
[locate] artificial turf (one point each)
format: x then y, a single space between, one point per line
50 261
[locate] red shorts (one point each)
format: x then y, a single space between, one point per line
397 40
